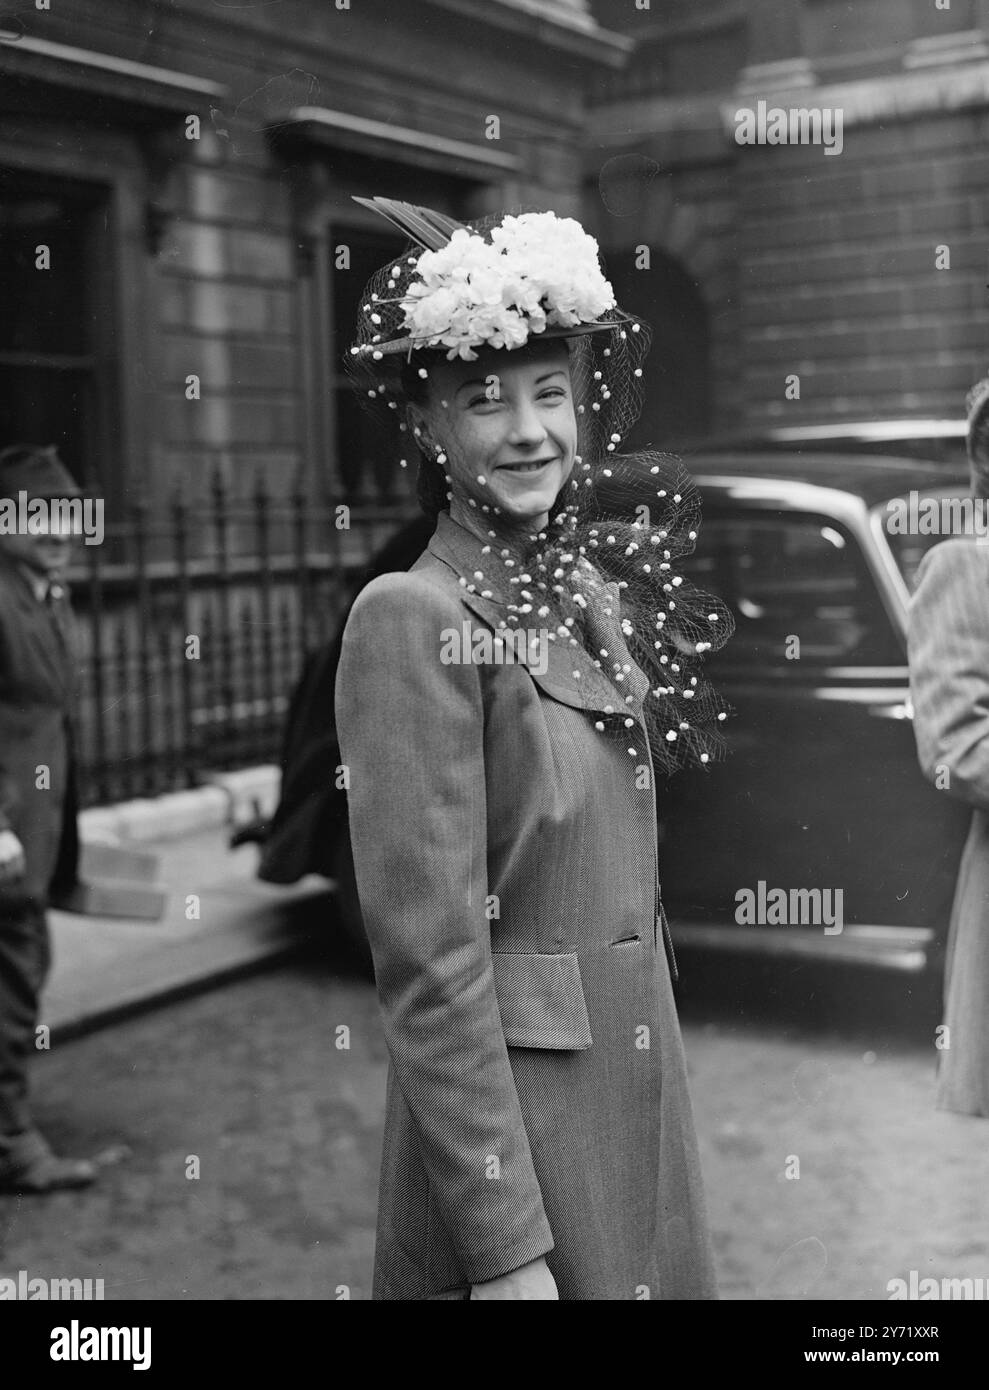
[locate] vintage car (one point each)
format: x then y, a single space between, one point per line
821 789
821 793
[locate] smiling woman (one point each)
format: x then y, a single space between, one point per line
503 432
538 1134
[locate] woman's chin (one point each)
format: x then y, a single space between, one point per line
521 503
522 510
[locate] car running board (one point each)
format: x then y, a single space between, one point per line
905 949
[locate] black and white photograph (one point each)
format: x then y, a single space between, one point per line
494 663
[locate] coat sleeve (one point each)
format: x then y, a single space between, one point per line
9 797
411 732
949 668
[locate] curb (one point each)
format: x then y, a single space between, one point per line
255 958
227 798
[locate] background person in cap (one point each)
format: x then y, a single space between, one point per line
37 814
949 687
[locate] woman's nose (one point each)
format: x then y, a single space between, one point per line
527 427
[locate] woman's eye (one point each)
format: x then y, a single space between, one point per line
483 400
553 393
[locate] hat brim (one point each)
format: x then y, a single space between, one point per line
368 350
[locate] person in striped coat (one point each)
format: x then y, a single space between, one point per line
949 682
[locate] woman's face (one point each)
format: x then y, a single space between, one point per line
508 428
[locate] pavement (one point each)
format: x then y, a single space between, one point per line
239 1144
220 921
794 1074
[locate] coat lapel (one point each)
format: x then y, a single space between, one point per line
570 676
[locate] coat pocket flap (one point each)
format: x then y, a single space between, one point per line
541 999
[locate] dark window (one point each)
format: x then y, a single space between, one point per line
55 323
365 466
790 577
676 403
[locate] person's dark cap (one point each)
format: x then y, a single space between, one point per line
36 470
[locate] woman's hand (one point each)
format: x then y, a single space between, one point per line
12 864
531 1281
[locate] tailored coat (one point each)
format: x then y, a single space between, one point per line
949 685
506 860
37 679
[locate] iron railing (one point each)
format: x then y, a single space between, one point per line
194 625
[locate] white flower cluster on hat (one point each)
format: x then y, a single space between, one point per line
537 271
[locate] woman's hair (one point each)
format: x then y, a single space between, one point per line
431 484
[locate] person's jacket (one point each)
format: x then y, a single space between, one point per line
503 823
38 669
949 688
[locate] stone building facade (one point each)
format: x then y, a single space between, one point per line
862 272
190 168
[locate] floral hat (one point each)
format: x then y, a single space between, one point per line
623 521
498 285
503 282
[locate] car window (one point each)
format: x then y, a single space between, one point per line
787 577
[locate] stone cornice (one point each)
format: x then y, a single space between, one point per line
906 95
340 130
88 69
556 25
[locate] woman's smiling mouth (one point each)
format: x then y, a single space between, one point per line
531 466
